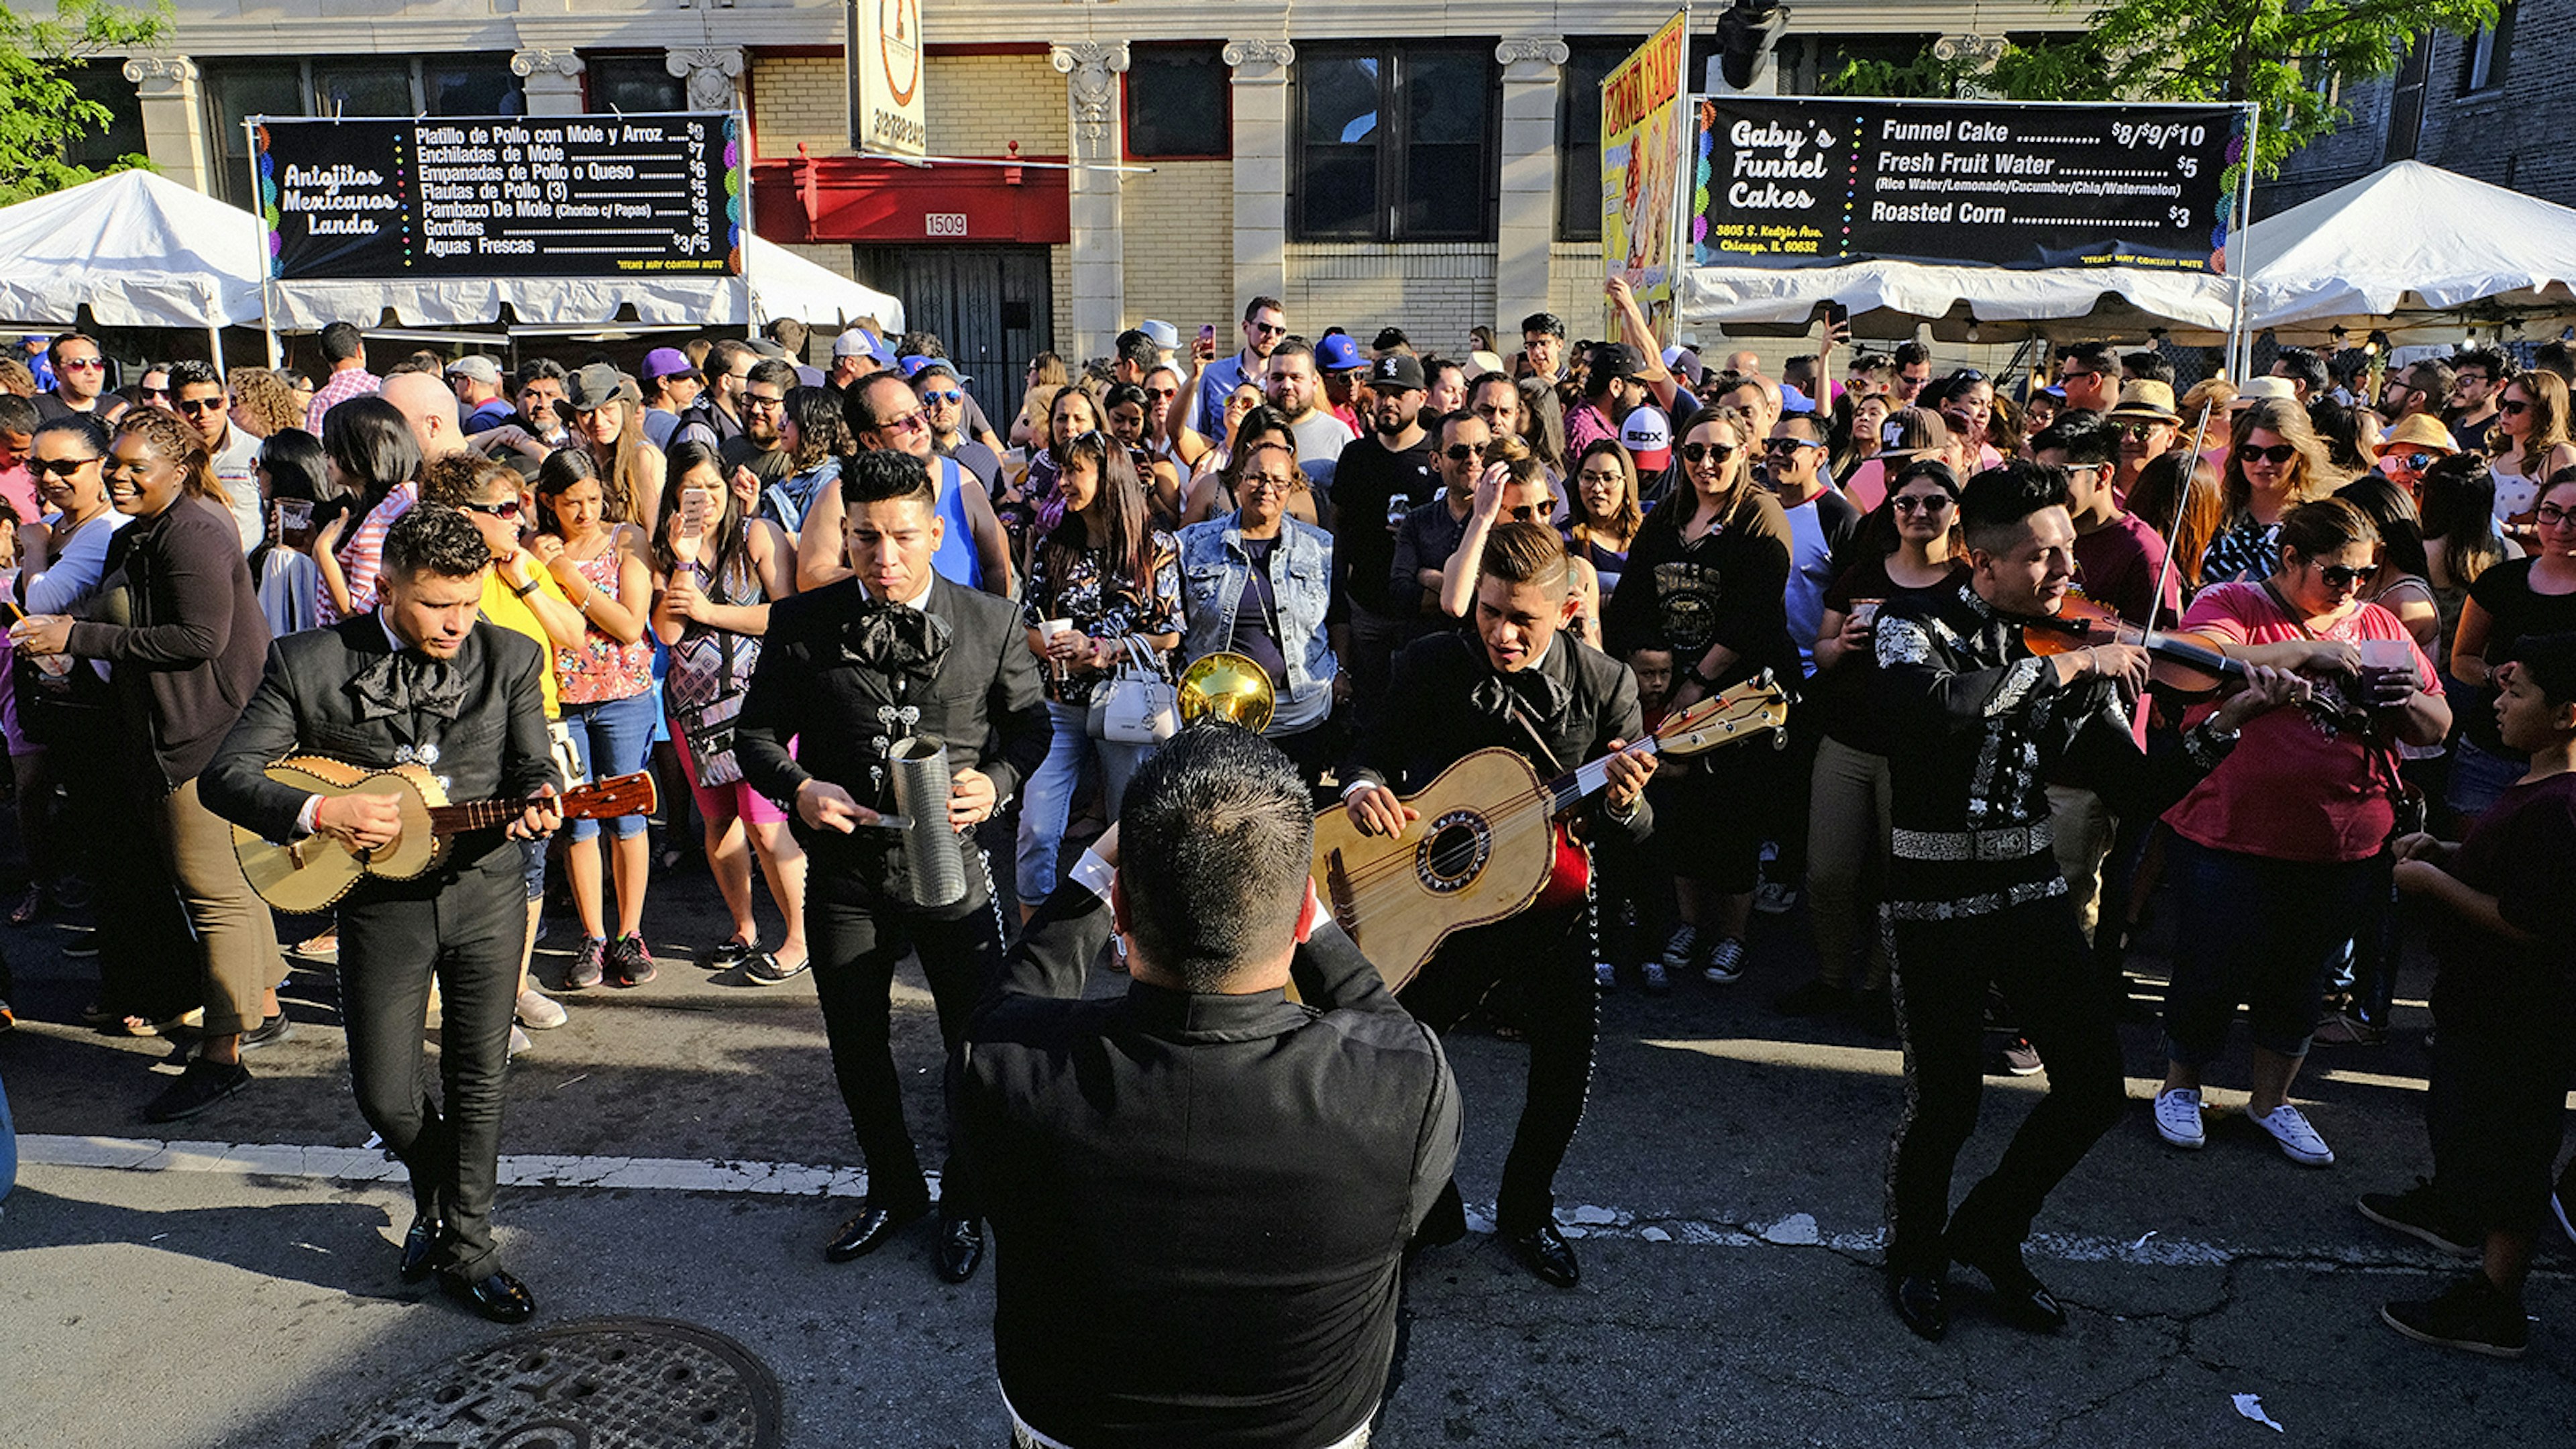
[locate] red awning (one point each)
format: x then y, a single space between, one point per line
856 199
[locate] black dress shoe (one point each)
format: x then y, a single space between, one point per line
961 1248
2020 1299
868 1231
200 1086
1544 1251
1918 1301
496 1296
420 1247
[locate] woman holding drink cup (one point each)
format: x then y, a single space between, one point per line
1908 548
715 572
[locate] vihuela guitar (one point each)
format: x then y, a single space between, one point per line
311 874
1489 844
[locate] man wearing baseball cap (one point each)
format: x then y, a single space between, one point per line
855 354
477 381
1648 436
1382 475
1339 359
670 382
1612 386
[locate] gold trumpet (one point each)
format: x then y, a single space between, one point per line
1227 686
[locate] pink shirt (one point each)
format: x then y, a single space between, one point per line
362 556
20 490
338 388
2293 788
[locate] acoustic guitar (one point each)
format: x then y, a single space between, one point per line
312 874
1488 844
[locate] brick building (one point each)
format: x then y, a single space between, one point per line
1432 167
2476 105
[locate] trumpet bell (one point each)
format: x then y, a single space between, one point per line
1227 686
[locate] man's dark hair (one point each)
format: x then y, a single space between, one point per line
1544 322
2092 357
778 372
1391 339
2087 438
2302 366
2432 377
919 344
787 332
1910 353
1868 363
1138 349
859 408
536 369
341 341
1993 505
2556 356
1809 425
2491 360
193 373
1295 346
722 356
882 475
1216 836
433 538
1259 305
2147 366
19 415
2549 660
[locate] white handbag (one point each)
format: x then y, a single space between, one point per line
1139 705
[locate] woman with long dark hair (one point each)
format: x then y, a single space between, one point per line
1102 575
2528 445
2178 478
2512 599
610 426
716 570
2456 502
370 463
815 436
1606 512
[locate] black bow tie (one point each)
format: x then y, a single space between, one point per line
1540 698
895 639
406 683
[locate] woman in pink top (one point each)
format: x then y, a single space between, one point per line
2275 856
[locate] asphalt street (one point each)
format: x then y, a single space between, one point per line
677 1151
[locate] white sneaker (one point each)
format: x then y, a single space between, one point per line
2178 1118
518 1042
538 1011
2298 1140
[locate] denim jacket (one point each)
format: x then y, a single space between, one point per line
1215 572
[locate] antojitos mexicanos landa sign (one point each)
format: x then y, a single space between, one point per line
884 57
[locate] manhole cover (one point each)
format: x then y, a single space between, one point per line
600 1383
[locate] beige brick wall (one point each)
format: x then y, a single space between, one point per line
1060 292
1177 226
1574 272
974 106
1434 291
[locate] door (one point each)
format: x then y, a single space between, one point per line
991 308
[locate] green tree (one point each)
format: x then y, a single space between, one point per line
41 110
2292 59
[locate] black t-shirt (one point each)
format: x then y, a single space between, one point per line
2514 612
979 461
1256 618
771 465
1363 546
2522 851
1839 695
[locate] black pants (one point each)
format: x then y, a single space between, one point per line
466 928
857 937
1942 972
2502 1067
1547 956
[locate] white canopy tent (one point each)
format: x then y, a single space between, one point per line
136 249
2000 304
2413 251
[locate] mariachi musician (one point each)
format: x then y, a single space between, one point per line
418 681
849 669
1519 679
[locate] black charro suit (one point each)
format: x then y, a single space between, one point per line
981 696
1447 701
464 922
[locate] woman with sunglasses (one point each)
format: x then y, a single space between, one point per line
2274 853
1208 494
2277 464
1909 549
1908 434
1259 583
1514 488
2509 601
1202 455
1098 577
185 655
1708 577
2529 443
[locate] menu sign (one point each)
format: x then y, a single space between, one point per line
1808 183
552 196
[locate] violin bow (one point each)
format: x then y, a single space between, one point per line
2182 503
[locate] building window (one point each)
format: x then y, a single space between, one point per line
640 83
1180 103
2484 65
104 82
351 85
1394 143
1578 130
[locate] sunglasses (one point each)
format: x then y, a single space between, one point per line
1926 504
2550 515
1788 445
2417 462
2344 576
1158 394
949 397
1525 513
2277 453
1707 452
199 405
507 508
84 364
2076 372
2513 406
57 467
1461 452
909 422
2138 431
1267 330
156 392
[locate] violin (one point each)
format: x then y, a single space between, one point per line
2192 666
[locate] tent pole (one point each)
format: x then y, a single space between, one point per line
2240 343
215 342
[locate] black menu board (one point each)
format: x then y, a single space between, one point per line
502 196
1809 183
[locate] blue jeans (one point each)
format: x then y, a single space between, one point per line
1046 801
611 738
2263 932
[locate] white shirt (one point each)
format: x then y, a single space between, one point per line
240 480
